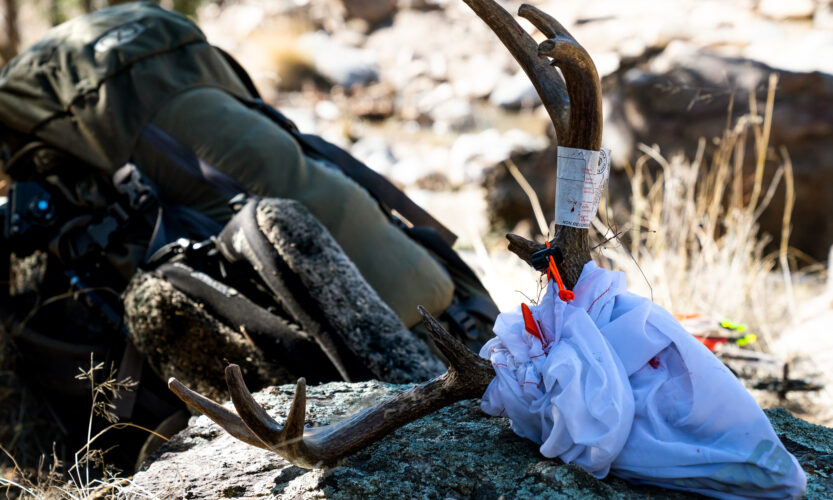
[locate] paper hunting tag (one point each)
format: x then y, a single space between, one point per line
581 178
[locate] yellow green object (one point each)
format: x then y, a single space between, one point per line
731 325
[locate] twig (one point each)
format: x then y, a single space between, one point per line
529 191
763 143
789 202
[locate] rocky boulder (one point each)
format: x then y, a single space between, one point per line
457 452
339 63
684 95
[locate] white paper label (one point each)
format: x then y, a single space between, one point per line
581 180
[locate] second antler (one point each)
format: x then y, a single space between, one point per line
468 375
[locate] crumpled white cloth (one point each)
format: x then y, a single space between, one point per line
621 387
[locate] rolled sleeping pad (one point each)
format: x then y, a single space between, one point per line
265 159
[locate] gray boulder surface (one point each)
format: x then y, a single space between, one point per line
457 452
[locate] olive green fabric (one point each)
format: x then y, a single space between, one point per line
90 85
264 158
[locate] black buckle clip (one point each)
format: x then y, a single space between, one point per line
134 186
238 202
460 319
541 259
183 248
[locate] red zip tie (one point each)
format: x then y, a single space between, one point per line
530 326
552 272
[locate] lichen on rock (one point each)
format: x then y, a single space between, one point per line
457 452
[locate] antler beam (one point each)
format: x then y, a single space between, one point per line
467 377
545 78
583 128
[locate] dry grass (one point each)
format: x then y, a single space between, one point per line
693 230
692 241
51 479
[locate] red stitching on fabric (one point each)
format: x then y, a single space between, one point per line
537 356
530 382
500 364
597 298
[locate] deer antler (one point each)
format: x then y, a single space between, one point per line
583 130
467 377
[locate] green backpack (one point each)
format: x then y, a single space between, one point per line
137 84
124 130
133 132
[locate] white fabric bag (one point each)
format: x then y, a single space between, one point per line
618 385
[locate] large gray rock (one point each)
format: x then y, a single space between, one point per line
683 95
457 452
338 63
515 92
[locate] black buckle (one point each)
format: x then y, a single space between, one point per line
132 184
238 202
183 248
460 319
541 259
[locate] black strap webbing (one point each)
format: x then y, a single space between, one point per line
188 161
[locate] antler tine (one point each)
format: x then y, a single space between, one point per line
585 123
467 377
222 417
255 417
287 441
547 24
460 358
547 81
523 247
582 79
